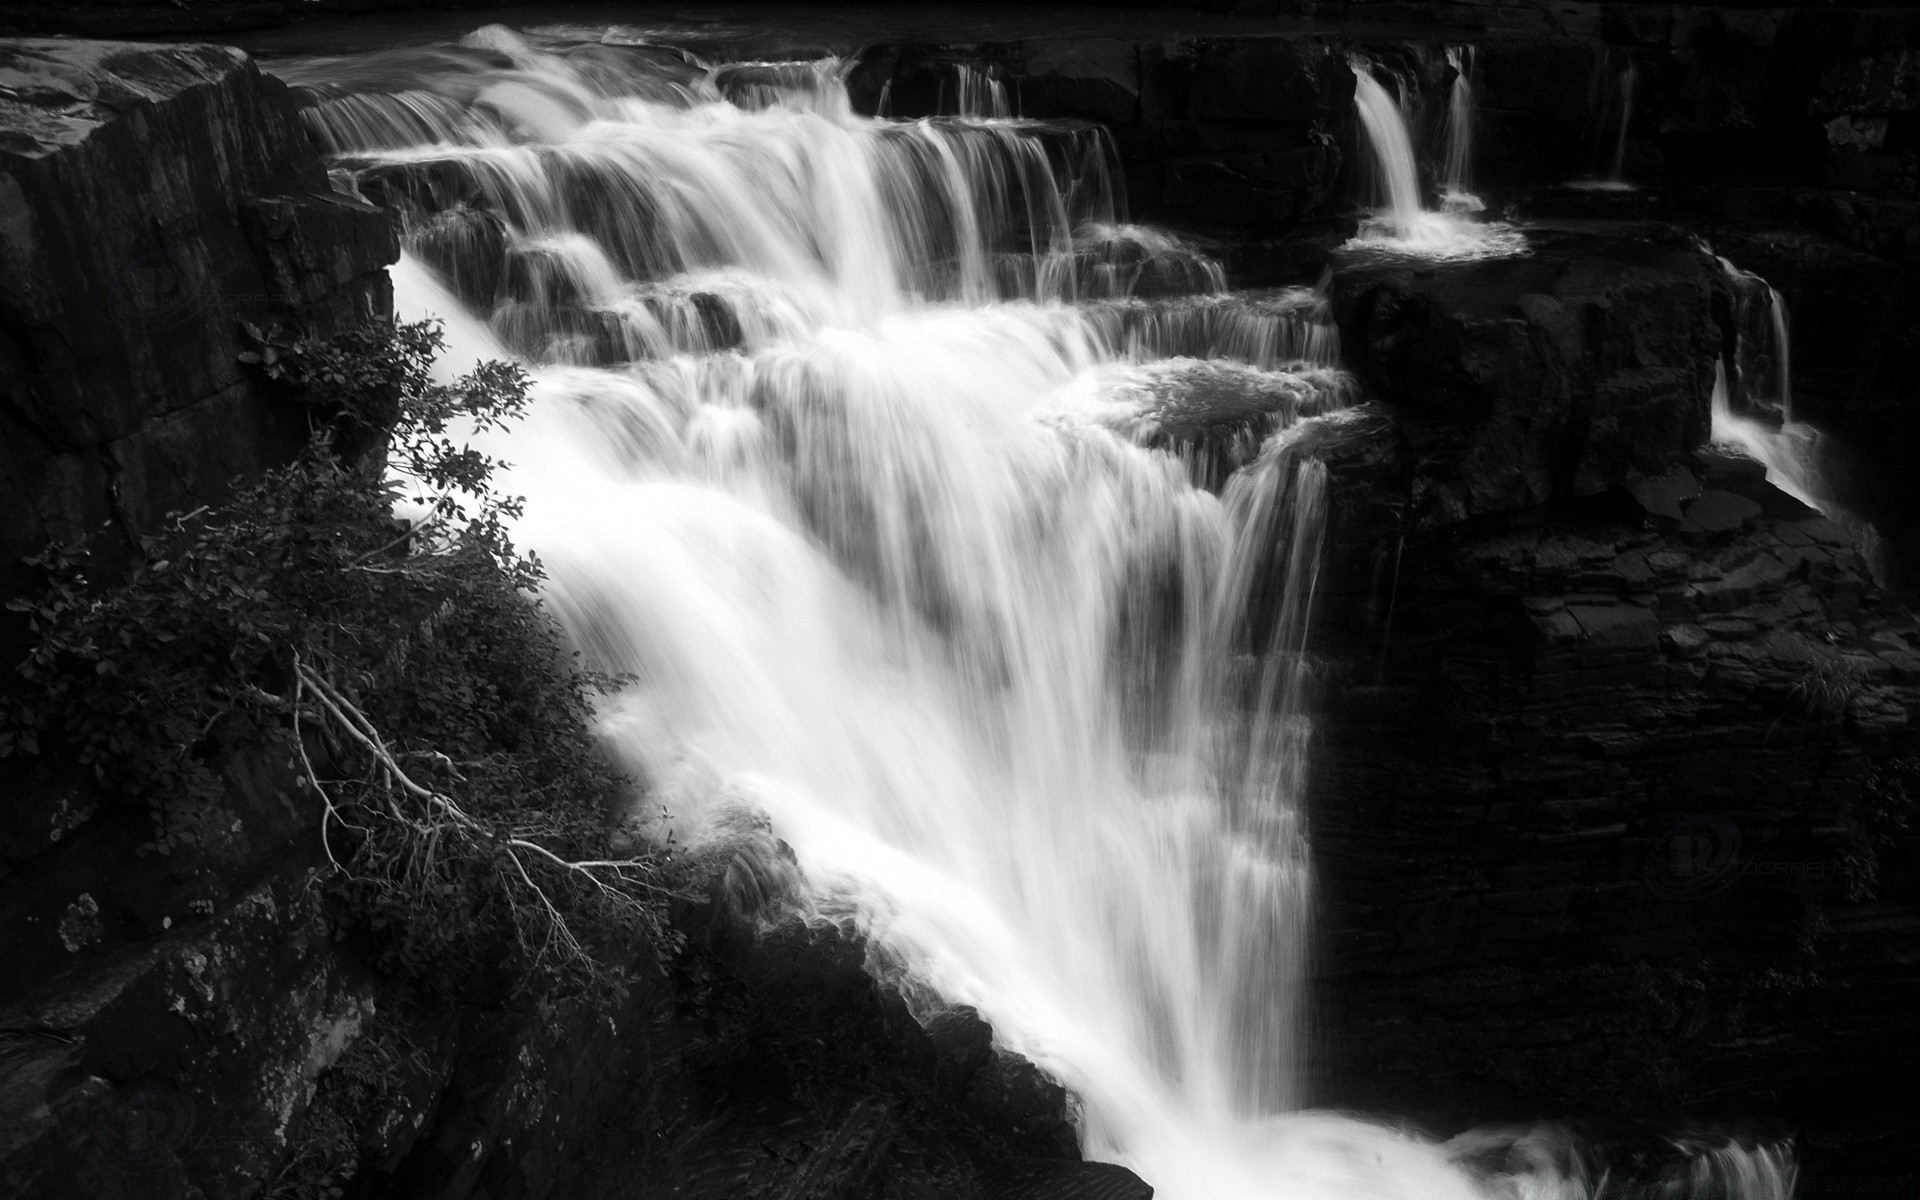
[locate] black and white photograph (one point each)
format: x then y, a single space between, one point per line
959 600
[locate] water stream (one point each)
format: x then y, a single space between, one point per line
1457 189
888 457
1405 225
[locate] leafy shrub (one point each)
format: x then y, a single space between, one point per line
421 698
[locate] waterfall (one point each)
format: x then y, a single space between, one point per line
958 536
1627 83
1457 192
1607 145
1405 225
976 93
1396 171
1752 406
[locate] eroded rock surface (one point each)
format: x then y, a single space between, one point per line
1520 381
151 200
1612 807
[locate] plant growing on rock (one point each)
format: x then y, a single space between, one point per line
400 670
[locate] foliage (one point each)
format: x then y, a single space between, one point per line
417 693
1827 685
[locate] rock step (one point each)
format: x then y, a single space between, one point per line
1048 1179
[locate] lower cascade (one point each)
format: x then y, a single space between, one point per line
960 539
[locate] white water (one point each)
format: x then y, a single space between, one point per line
1627 84
1761 424
1615 180
1405 225
1457 190
1752 409
916 577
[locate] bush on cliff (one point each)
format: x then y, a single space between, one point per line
421 699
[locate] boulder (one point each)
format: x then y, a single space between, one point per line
1523 380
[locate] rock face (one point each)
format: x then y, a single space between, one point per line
150 200
1521 381
1611 798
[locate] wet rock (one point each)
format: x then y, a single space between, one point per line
1268 79
1526 769
1583 365
1010 1093
1661 496
468 247
1094 78
1718 513
1217 415
1052 1180
963 1043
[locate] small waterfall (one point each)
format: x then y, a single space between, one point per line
953 531
1782 351
1457 190
1396 173
1752 407
976 93
1609 93
1405 225
1628 80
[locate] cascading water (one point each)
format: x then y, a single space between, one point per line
1608 137
1753 409
1457 190
885 457
1627 85
1405 225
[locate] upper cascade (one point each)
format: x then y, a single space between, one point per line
957 538
1404 224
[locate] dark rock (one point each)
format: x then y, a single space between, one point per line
1716 513
1622 626
1049 1179
1216 415
468 247
1537 378
964 1044
1094 78
120 347
1517 817
1010 1093
1661 496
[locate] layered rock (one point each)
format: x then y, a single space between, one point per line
151 200
1525 380
1610 802
154 199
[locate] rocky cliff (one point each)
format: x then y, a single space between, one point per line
1611 801
152 203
